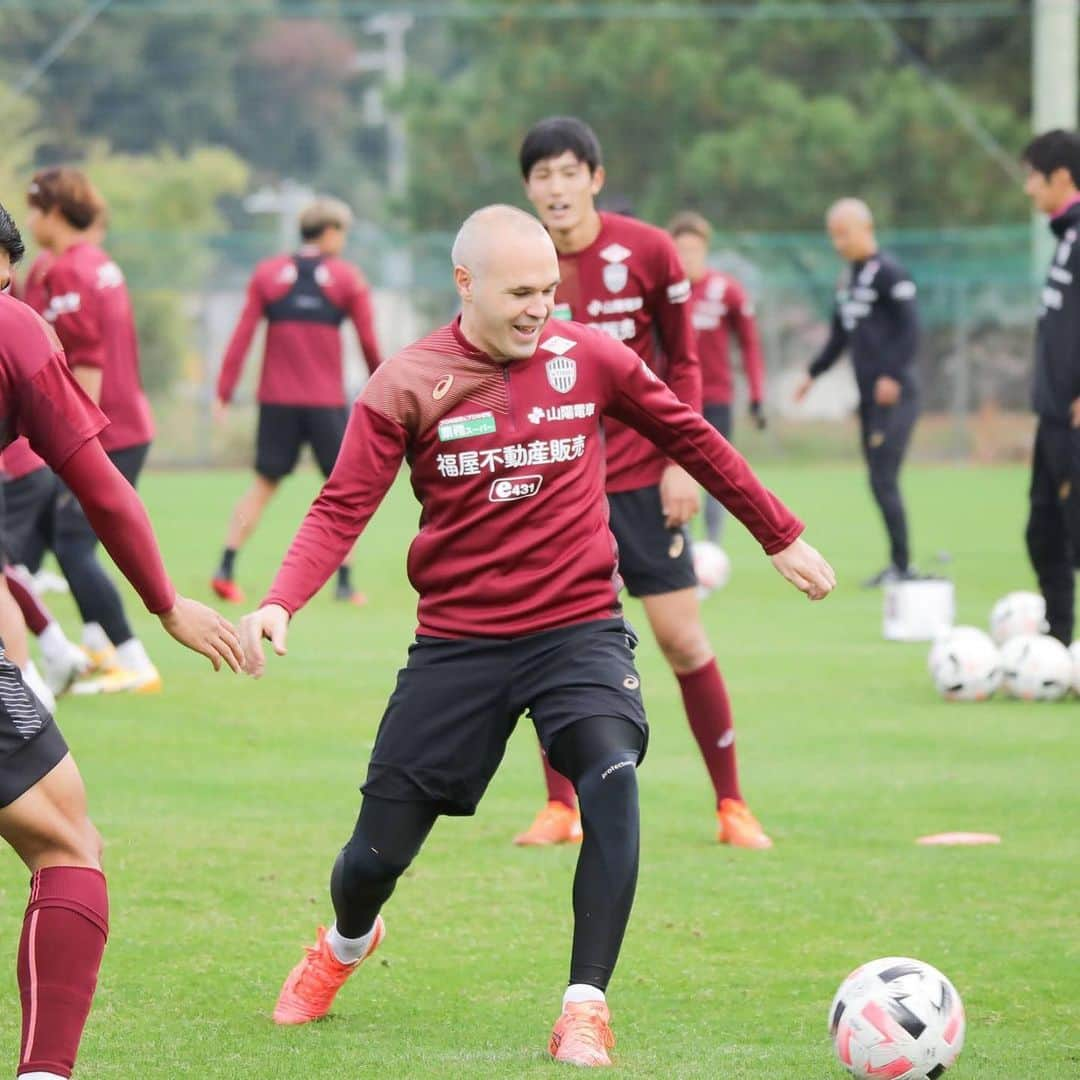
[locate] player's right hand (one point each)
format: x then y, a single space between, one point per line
804 387
204 631
270 622
806 569
220 411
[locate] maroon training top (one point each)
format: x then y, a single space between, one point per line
304 298
91 310
630 283
507 462
40 399
719 308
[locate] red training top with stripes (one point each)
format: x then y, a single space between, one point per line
18 459
304 298
507 462
39 399
630 283
719 309
91 310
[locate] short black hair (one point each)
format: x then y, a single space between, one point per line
1053 150
10 239
555 135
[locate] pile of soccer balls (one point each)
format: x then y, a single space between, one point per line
897 1018
967 664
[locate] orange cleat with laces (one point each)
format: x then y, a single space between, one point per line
582 1035
738 827
228 590
312 985
555 824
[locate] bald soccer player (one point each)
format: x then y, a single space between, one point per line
875 317
518 601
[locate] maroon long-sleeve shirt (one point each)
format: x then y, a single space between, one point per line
719 310
507 462
629 282
39 399
304 298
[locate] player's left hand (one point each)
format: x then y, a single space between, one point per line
886 390
270 622
806 569
204 631
757 415
680 496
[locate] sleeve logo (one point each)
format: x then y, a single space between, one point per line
679 292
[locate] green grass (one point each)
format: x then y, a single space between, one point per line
224 801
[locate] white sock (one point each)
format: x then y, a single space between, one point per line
132 656
53 643
40 1076
576 993
94 638
348 949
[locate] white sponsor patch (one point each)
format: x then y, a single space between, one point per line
581 410
562 373
514 456
109 276
904 290
511 489
63 304
621 305
557 345
615 253
679 293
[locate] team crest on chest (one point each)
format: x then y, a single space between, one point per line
561 369
616 273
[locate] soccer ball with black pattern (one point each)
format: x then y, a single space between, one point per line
965 664
897 1018
1036 668
1018 613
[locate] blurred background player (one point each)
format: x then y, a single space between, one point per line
304 297
89 307
1053 528
43 813
624 277
719 310
875 316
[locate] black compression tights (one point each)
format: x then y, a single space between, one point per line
599 756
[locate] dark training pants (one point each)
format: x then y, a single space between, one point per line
886 432
720 418
599 755
1053 528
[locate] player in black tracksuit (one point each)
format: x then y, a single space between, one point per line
875 317
1053 529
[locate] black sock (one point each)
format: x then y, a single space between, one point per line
344 578
228 561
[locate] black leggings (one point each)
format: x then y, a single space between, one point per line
599 755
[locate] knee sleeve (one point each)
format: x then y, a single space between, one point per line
361 882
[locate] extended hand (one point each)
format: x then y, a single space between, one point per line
270 622
205 631
680 496
806 569
886 390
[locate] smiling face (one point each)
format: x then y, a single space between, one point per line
563 189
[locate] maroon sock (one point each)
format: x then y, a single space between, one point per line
559 789
33 610
63 938
709 711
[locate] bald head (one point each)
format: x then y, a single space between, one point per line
851 229
506 271
492 228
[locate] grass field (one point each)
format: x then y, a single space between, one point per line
223 802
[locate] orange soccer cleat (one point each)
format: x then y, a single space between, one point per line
228 590
581 1036
312 985
555 824
738 827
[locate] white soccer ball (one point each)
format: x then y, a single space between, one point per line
1036 668
1018 613
965 665
897 1018
711 565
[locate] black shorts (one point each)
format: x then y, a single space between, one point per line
70 523
284 429
457 701
28 518
653 559
30 742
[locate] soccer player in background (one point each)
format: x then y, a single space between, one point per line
719 309
498 417
875 317
304 298
43 813
89 307
624 277
1053 528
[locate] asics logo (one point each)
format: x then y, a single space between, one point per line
442 387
